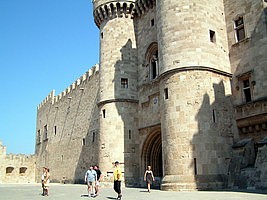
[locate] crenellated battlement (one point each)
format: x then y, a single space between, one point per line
114 9
142 6
21 157
51 98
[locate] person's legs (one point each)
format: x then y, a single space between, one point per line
45 191
88 188
97 187
115 186
148 186
93 188
43 188
119 190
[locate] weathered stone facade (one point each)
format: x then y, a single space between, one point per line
249 63
16 168
181 86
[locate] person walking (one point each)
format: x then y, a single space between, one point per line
90 178
117 179
99 174
43 178
149 177
46 181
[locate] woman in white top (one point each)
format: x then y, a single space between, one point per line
149 177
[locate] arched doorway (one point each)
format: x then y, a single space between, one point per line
152 155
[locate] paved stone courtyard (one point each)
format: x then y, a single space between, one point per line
79 192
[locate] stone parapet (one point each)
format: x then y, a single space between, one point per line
113 9
51 98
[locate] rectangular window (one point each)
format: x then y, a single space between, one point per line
212 36
102 35
152 22
124 82
83 142
247 90
239 29
214 116
104 113
166 93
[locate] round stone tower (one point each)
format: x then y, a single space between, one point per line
195 83
118 80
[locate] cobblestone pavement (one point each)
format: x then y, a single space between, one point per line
79 192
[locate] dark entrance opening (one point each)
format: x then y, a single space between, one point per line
152 155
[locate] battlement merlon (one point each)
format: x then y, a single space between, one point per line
100 3
51 98
108 9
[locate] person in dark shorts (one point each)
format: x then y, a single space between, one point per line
149 177
98 172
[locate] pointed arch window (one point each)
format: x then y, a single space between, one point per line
152 60
154 67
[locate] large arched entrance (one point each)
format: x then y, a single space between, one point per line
152 155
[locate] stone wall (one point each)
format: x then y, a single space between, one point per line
68 131
248 62
16 168
197 132
248 56
175 112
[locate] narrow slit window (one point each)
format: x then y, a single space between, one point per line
83 142
195 166
38 136
93 136
166 93
55 130
212 36
130 134
214 116
102 35
45 133
104 113
124 82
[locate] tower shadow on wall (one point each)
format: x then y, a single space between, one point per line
125 88
212 143
89 154
248 165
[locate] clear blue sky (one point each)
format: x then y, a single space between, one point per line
44 45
